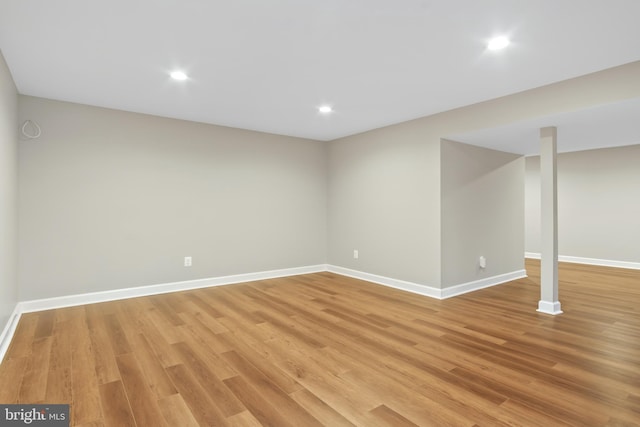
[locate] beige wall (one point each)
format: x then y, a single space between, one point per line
482 207
384 189
383 202
8 194
110 199
598 204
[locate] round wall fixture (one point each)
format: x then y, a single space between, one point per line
30 129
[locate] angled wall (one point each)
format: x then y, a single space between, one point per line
8 194
482 213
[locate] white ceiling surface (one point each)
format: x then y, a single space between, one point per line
608 125
268 65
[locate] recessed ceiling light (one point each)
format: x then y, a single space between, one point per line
178 75
325 109
498 43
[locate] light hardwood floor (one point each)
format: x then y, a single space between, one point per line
322 349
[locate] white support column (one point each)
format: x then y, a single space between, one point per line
549 223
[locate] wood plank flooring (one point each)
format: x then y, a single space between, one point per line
326 350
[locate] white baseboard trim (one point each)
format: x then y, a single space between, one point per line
387 281
8 331
430 291
549 307
118 294
464 288
590 261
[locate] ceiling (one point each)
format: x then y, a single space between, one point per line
608 125
268 65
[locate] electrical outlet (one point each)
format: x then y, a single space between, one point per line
482 261
187 261
356 255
